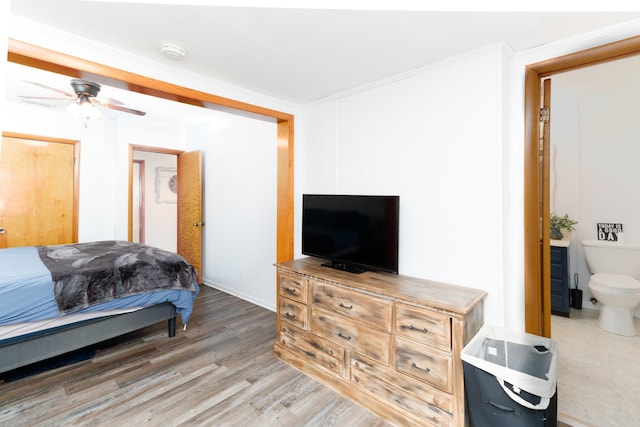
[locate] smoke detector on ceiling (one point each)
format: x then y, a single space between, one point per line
173 51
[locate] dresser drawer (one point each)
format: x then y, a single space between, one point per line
293 286
414 396
294 312
424 326
315 349
355 305
425 363
351 335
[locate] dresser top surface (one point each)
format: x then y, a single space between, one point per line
453 298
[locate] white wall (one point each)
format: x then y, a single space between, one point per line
240 205
434 139
594 170
4 18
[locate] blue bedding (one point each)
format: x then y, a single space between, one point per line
27 291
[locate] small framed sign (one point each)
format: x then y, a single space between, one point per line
166 185
609 231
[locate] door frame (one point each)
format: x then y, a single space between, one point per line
150 149
38 57
537 280
141 184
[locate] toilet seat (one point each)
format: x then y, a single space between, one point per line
616 284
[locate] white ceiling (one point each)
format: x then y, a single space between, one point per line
297 55
301 55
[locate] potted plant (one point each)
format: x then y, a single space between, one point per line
559 223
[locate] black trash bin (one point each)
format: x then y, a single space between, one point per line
510 379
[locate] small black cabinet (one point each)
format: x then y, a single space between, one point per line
560 280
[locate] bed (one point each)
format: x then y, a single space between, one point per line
60 298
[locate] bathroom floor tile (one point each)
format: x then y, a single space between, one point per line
598 372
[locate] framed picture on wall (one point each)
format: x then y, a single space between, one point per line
166 185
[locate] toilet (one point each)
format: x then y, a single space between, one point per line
615 270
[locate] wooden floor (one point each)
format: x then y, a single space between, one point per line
220 372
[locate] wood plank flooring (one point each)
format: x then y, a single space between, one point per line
219 372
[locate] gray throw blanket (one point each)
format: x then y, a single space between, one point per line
86 274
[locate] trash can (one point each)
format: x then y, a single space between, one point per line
510 379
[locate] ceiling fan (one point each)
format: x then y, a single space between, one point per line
84 99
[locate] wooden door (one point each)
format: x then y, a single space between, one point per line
38 191
190 208
545 203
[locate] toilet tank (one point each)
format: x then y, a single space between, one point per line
612 257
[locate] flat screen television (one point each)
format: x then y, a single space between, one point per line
354 233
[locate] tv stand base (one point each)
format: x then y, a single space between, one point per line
343 266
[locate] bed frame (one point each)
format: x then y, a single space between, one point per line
31 348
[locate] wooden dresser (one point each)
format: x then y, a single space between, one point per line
391 343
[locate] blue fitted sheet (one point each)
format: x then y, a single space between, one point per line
26 291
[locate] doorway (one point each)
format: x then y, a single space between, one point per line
536 181
174 191
155 214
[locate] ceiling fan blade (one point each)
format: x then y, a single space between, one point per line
70 95
123 109
112 101
38 103
45 97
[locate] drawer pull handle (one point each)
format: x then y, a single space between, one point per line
346 306
346 337
425 330
292 291
290 315
413 365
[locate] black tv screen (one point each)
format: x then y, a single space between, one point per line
355 233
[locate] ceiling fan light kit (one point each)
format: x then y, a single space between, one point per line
84 108
173 51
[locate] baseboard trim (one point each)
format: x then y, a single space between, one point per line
249 298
